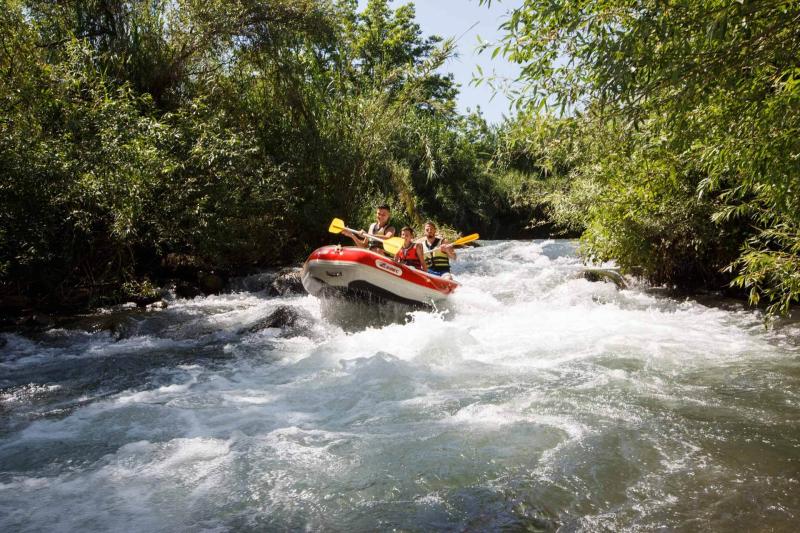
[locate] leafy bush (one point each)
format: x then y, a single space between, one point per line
704 101
231 132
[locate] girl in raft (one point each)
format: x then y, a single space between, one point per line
410 253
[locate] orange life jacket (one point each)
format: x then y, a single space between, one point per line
408 256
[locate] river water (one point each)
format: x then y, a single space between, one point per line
534 400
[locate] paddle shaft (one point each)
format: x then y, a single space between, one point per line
440 246
458 242
364 233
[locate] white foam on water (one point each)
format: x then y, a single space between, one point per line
26 393
161 394
134 489
529 380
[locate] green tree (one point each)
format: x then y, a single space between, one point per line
229 131
712 84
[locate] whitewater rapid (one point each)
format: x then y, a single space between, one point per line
534 399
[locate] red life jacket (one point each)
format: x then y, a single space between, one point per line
408 256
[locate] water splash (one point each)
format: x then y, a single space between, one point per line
532 399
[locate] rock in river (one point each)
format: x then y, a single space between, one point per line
287 282
284 317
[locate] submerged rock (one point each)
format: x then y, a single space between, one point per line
210 283
117 322
144 301
284 317
259 282
185 289
205 284
603 274
193 275
287 282
160 304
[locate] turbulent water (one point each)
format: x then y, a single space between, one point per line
534 400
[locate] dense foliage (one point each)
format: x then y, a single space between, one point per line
228 132
687 118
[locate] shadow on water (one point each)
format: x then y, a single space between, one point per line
352 314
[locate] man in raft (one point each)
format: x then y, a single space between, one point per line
437 252
411 252
381 228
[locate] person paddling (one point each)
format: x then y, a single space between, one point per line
437 252
381 227
411 252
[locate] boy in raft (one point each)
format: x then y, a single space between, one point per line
437 252
411 252
381 227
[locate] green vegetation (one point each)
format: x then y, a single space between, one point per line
686 119
227 133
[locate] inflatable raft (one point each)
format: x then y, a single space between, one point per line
362 274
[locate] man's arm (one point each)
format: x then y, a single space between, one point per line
449 250
421 256
361 242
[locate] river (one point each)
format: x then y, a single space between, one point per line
534 400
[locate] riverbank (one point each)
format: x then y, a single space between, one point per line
191 283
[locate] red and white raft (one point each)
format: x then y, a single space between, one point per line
363 274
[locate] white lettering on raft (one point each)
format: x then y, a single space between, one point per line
388 267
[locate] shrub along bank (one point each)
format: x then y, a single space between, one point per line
687 119
226 133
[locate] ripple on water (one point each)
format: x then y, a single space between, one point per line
533 399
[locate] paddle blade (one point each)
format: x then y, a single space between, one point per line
465 240
392 245
337 225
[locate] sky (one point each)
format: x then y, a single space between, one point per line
455 18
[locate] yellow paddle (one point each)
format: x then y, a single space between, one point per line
460 242
337 226
391 244
464 240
